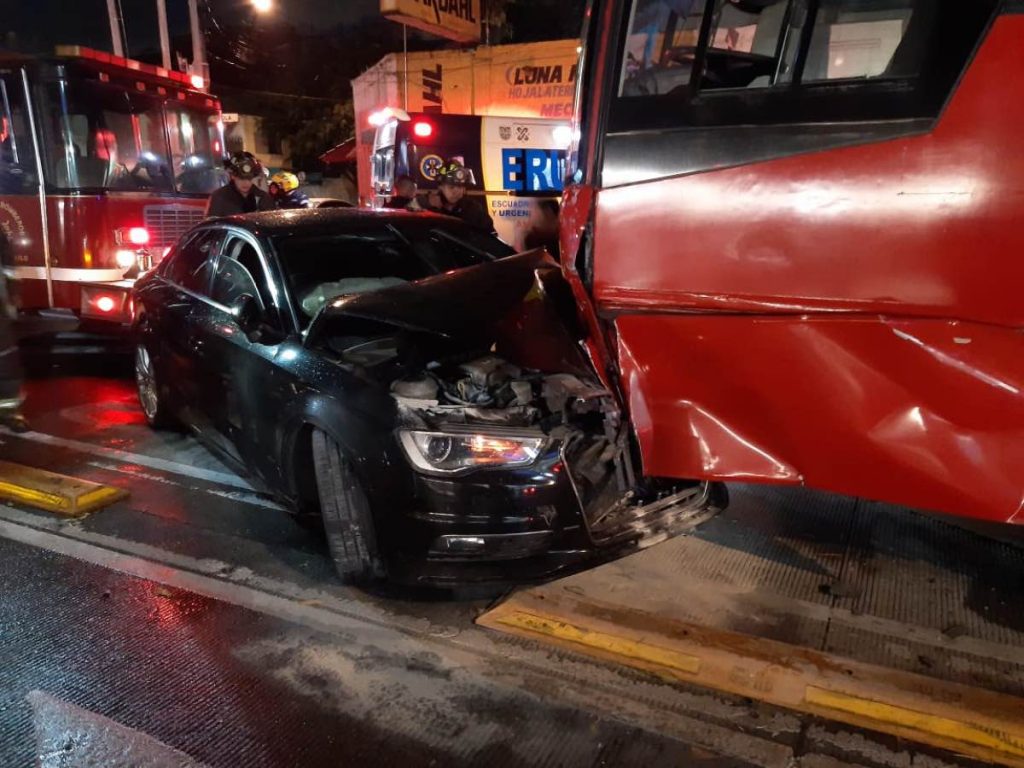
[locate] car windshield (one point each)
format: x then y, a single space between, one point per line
367 257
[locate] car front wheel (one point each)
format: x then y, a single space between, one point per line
345 509
153 406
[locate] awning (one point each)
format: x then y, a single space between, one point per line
343 153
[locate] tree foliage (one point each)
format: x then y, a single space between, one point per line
531 21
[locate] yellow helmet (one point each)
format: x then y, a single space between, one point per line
285 180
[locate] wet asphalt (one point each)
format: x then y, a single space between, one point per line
195 623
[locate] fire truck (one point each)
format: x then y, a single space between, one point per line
795 227
512 158
104 163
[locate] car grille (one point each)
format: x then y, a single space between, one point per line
166 223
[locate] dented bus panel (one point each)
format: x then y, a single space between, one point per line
803 260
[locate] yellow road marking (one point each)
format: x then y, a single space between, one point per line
32 496
968 720
49 491
923 722
634 650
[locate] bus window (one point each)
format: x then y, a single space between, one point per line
197 150
100 136
17 153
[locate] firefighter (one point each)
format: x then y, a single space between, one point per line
452 182
240 194
284 189
10 365
405 195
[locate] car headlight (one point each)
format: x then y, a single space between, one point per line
451 453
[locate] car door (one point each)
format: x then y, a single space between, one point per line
241 377
175 315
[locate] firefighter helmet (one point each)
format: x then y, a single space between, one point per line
285 180
244 165
457 174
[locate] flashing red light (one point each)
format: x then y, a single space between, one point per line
105 304
216 147
198 82
138 236
423 129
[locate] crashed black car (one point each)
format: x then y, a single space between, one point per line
407 380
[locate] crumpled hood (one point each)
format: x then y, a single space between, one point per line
520 303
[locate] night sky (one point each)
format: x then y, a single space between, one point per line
39 25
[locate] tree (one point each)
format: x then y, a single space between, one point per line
531 21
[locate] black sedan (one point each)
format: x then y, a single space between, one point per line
408 381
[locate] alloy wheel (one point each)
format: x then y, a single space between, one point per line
145 382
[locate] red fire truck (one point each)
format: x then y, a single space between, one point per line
798 224
104 163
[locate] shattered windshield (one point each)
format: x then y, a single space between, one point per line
362 259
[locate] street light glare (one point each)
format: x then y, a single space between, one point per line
263 6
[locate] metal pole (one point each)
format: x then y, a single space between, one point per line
405 54
37 149
115 28
165 39
198 55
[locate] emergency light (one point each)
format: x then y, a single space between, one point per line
422 129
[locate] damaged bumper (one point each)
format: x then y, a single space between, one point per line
513 458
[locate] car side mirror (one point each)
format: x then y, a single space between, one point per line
246 311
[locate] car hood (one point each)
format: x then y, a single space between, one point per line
519 304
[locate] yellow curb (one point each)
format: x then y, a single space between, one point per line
60 494
967 720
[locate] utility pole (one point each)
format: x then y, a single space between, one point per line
115 28
198 44
165 40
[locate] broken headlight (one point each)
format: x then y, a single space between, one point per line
451 453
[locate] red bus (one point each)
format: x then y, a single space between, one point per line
798 224
104 163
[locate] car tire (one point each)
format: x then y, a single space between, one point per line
345 509
148 389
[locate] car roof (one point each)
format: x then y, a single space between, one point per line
314 221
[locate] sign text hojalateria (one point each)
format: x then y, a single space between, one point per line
454 19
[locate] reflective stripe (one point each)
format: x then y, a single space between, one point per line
67 275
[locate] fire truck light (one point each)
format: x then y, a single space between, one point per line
198 82
105 304
138 236
423 129
125 259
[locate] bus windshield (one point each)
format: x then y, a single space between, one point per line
97 135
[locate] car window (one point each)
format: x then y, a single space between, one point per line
371 257
191 264
234 276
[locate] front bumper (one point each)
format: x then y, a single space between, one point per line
515 525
